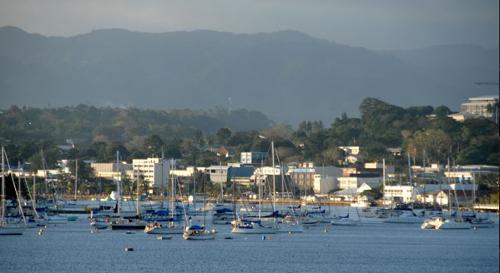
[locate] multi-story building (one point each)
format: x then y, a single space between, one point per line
306 176
372 175
399 194
154 171
353 182
111 170
485 106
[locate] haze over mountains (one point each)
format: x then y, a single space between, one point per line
287 75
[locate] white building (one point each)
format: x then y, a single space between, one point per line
399 193
110 170
153 170
188 172
324 184
353 182
468 172
306 175
252 157
218 173
484 106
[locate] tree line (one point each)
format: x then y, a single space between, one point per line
425 132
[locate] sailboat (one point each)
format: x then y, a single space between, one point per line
290 223
256 226
171 226
347 220
453 221
126 223
7 227
198 232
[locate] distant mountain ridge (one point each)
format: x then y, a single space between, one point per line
288 75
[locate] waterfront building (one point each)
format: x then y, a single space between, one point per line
218 173
188 172
320 179
153 170
241 174
399 194
110 170
352 194
353 182
354 177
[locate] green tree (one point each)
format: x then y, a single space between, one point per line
223 135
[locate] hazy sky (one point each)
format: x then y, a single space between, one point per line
375 24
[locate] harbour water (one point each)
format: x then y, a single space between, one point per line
371 247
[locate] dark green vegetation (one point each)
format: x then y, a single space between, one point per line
98 132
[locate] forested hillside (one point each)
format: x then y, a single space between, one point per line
98 132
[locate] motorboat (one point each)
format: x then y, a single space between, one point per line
196 232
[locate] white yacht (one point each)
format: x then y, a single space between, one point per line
196 232
441 223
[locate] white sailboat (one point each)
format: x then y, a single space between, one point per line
122 223
255 226
198 232
453 221
171 226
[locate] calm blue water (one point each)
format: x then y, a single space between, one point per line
371 247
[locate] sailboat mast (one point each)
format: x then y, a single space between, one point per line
162 186
76 178
449 188
383 172
260 185
19 181
3 187
118 182
137 194
172 201
274 177
409 170
34 194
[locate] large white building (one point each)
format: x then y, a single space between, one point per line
353 182
320 179
111 170
484 106
399 193
153 170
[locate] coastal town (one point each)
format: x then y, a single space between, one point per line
259 178
249 136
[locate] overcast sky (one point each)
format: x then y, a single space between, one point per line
375 24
